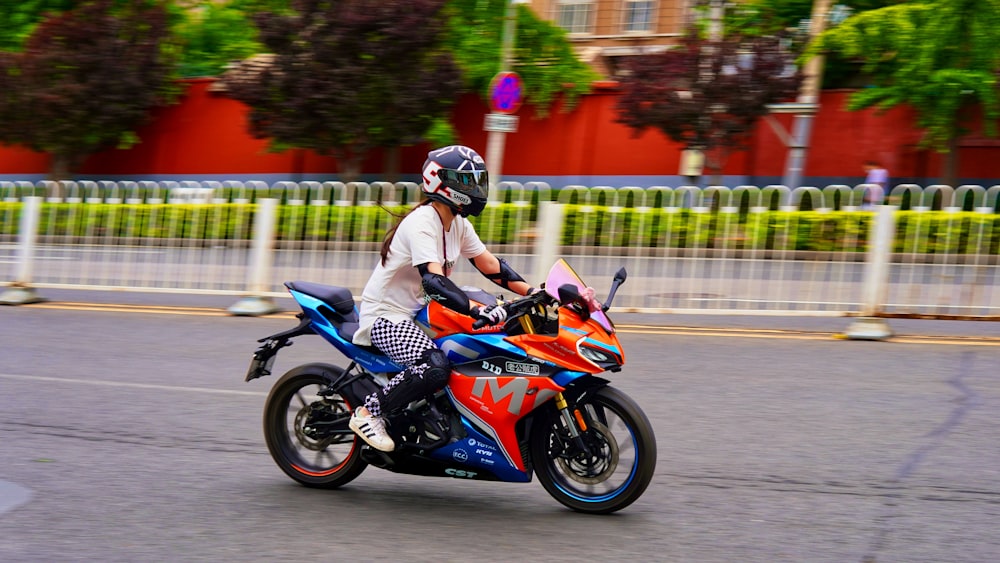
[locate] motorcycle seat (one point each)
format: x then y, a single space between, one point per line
339 298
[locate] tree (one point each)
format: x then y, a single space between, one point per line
772 16
86 80
939 57
790 18
344 77
215 35
543 57
20 18
707 95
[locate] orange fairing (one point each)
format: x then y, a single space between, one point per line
495 404
562 348
442 321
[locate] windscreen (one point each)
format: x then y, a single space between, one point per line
562 274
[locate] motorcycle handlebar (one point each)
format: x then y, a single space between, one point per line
512 307
481 322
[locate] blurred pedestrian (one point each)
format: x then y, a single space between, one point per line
876 183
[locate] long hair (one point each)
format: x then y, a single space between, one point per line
391 233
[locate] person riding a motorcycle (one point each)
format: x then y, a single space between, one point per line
417 256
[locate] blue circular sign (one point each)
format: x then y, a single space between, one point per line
506 92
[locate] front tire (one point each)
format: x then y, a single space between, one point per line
306 431
622 455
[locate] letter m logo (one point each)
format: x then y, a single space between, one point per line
516 388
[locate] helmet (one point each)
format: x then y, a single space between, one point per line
456 175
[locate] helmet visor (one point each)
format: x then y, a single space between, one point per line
466 179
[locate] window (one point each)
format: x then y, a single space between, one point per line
638 15
576 16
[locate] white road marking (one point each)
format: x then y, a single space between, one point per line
107 383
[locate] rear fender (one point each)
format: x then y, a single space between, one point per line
263 357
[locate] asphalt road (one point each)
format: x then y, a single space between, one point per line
128 434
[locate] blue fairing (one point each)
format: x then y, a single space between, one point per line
462 348
598 344
376 363
422 318
478 451
564 378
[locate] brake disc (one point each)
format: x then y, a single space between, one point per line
307 414
602 461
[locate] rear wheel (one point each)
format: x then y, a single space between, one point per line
617 464
306 430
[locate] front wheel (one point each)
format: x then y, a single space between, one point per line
305 427
614 468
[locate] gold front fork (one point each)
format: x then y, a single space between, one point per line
527 324
574 420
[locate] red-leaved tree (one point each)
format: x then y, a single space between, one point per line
86 80
344 77
707 95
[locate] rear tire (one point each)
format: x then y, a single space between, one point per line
622 460
292 406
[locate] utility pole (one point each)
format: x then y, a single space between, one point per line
809 99
716 11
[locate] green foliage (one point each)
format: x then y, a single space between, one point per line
766 17
787 18
928 232
216 34
231 221
761 17
917 232
542 55
952 233
938 56
20 17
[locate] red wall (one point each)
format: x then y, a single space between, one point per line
205 135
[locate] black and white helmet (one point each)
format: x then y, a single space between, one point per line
456 175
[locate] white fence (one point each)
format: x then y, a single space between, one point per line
748 250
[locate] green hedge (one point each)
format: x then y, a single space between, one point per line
500 224
836 231
917 232
770 230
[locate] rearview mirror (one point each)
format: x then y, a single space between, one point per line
617 282
569 294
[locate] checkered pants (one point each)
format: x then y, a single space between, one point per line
404 343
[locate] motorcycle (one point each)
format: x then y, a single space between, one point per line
523 398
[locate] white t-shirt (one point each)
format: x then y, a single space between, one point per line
394 291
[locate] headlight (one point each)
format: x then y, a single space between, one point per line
603 359
593 355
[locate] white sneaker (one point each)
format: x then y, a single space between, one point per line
372 430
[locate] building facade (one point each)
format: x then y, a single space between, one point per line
604 31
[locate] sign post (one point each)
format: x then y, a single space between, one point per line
506 95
